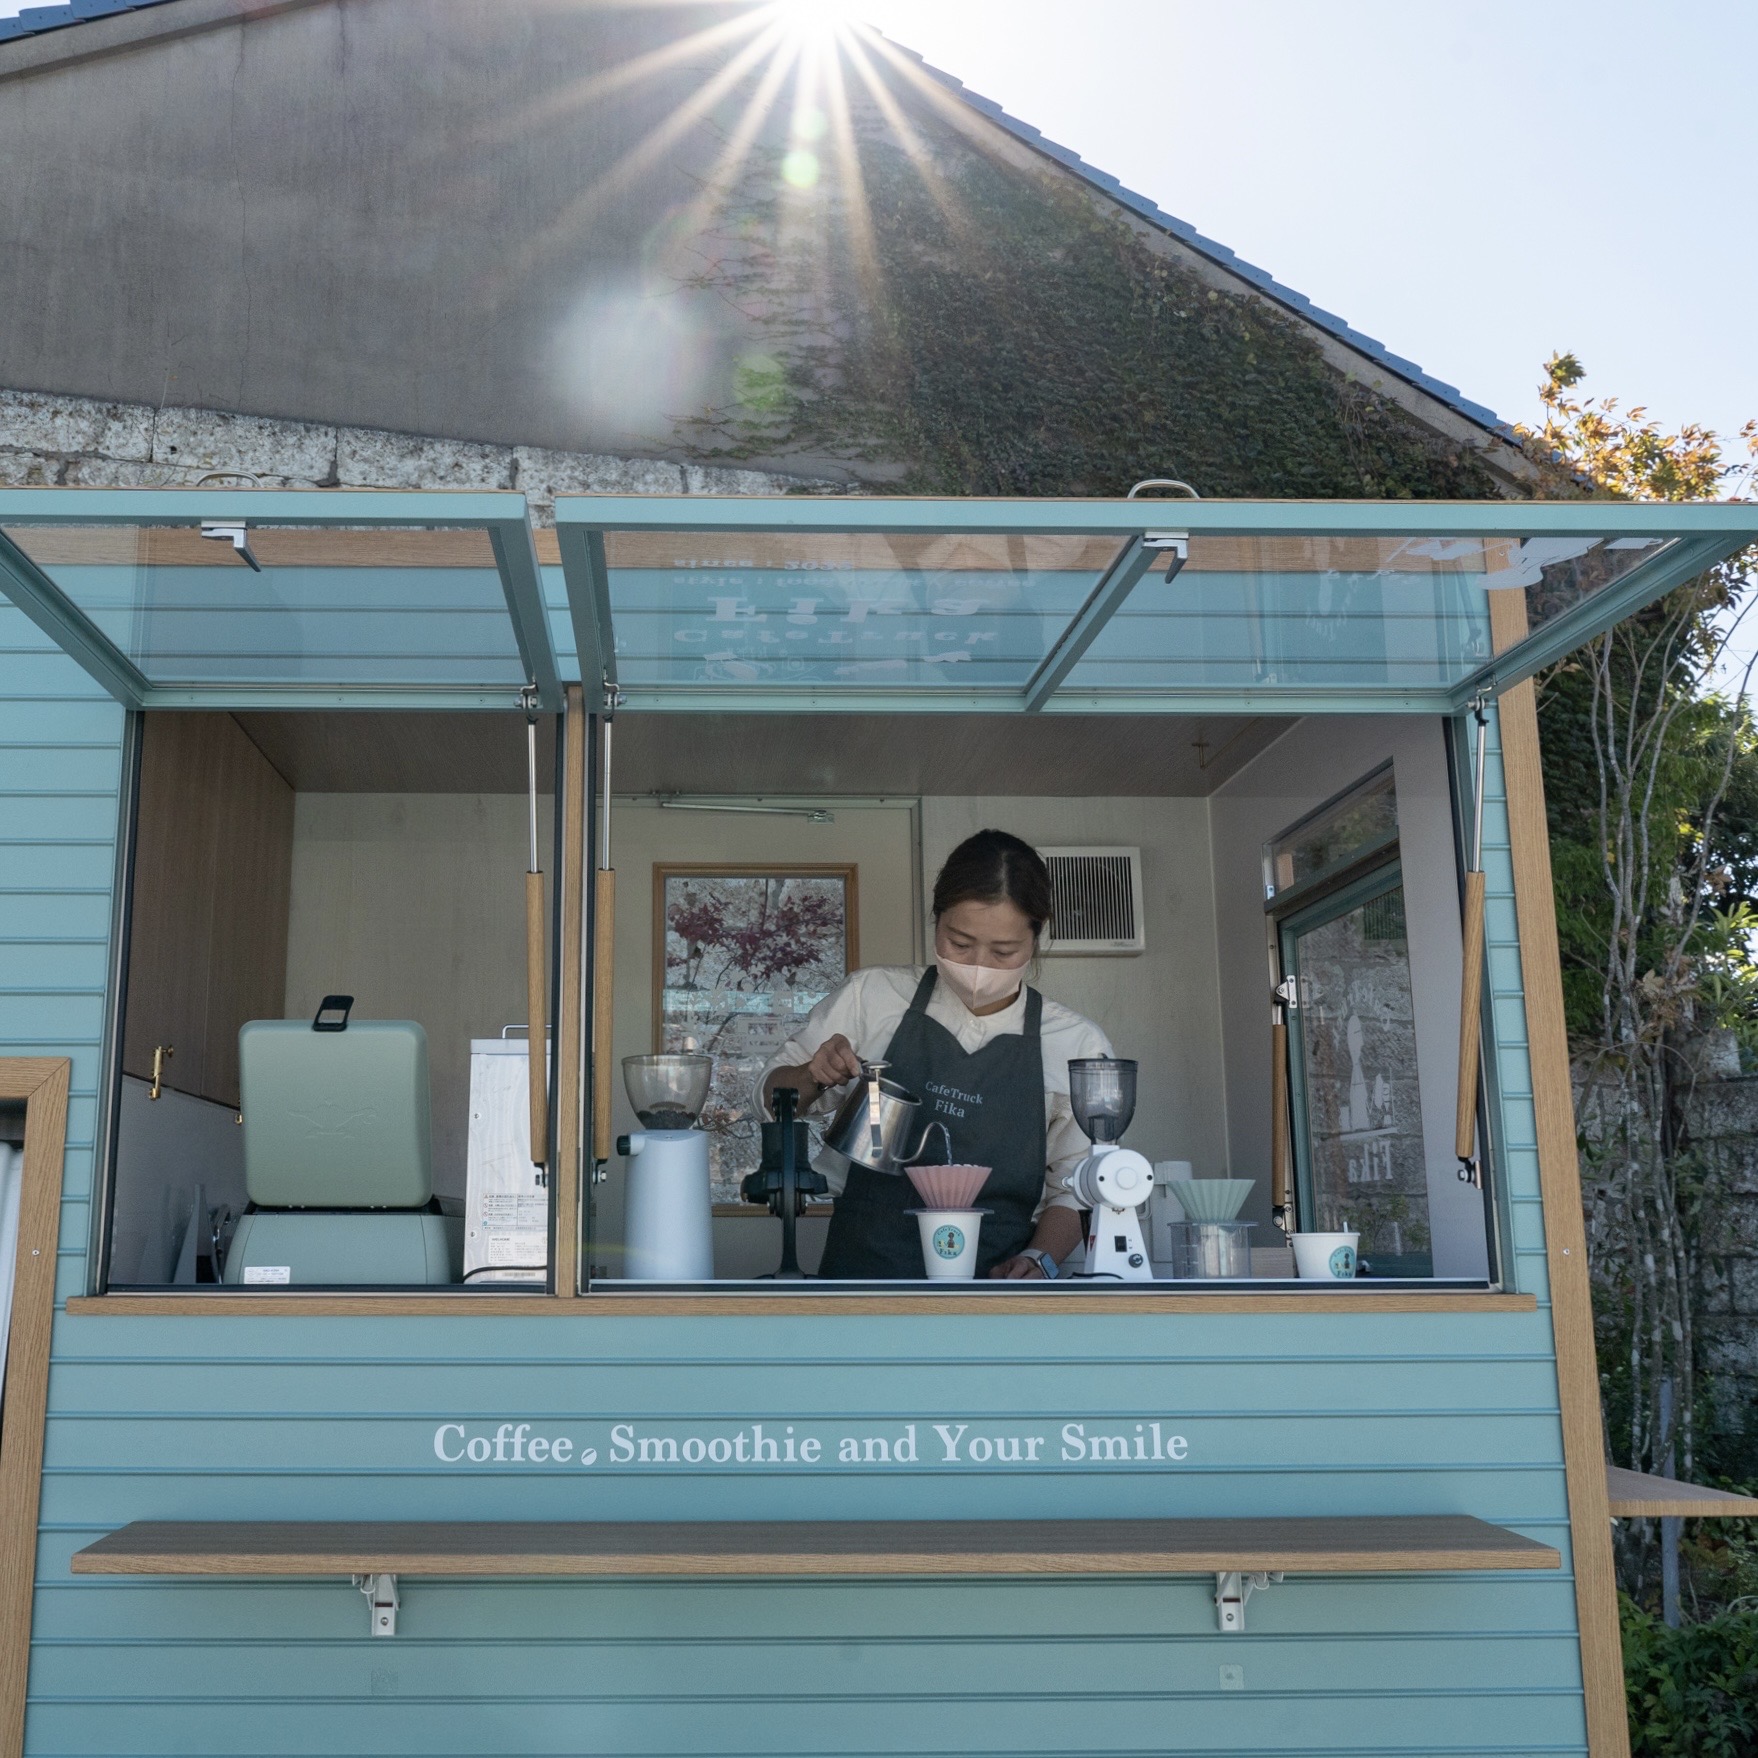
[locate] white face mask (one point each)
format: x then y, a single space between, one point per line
979 985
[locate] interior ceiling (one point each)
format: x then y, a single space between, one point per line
832 755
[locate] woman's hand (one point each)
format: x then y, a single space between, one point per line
1057 1233
833 1062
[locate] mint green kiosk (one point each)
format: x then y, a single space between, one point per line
337 1417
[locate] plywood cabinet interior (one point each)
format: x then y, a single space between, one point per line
212 871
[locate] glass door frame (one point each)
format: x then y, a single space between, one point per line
1354 886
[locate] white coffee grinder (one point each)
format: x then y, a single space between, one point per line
1114 1183
668 1217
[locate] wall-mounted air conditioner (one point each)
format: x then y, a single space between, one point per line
1098 901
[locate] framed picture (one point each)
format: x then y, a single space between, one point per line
741 955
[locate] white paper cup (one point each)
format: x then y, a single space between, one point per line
949 1243
1324 1257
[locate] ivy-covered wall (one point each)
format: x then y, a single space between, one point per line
989 329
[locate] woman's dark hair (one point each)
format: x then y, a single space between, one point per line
992 867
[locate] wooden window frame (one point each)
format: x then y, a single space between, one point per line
567 978
43 1085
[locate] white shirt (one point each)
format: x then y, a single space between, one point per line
867 1009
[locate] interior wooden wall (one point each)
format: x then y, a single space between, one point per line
212 870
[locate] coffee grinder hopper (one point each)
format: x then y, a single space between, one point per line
668 1092
1101 1093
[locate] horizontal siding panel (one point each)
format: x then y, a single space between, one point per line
92 719
53 817
43 670
1249 1390
974 1722
55 866
51 1017
53 918
363 1440
36 967
79 769
1078 1662
156 1615
1014 1342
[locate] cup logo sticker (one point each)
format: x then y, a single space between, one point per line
1343 1262
949 1241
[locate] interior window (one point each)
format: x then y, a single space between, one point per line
1364 1159
1359 1149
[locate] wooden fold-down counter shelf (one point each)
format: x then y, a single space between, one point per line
1369 1545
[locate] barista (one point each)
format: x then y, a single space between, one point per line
987 1053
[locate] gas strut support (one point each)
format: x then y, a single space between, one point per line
537 1036
1465 1144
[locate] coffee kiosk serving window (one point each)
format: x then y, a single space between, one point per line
329 1003
382 844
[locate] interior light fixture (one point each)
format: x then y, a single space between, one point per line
812 814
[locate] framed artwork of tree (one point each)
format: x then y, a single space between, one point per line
741 955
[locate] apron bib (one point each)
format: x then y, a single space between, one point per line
992 1103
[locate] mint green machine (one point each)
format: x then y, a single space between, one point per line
338 1155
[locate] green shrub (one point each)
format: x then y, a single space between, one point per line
1693 1692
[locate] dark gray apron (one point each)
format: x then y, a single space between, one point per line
992 1103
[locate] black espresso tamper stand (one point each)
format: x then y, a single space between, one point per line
785 1179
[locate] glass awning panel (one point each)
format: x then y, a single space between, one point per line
1337 613
321 598
270 598
1083 606
961 612
320 607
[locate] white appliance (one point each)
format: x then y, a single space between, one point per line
668 1215
506 1202
1114 1183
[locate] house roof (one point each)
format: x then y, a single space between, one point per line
1265 282
36 20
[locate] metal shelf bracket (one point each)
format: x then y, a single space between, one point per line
1233 1587
381 1599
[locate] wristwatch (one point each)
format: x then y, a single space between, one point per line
1044 1261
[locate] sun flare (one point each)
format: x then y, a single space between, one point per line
816 18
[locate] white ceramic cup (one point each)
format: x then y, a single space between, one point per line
1325 1257
949 1243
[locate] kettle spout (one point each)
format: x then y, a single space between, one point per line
922 1145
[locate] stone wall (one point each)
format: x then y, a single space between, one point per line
1721 1119
1724 1125
50 441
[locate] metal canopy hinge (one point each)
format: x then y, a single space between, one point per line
1173 545
1233 1587
381 1599
235 533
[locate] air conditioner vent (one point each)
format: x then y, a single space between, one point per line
1097 900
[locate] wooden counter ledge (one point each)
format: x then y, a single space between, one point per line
736 1303
1371 1545
1634 1495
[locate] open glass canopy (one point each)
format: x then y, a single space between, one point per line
289 599
315 598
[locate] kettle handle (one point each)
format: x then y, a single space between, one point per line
922 1146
